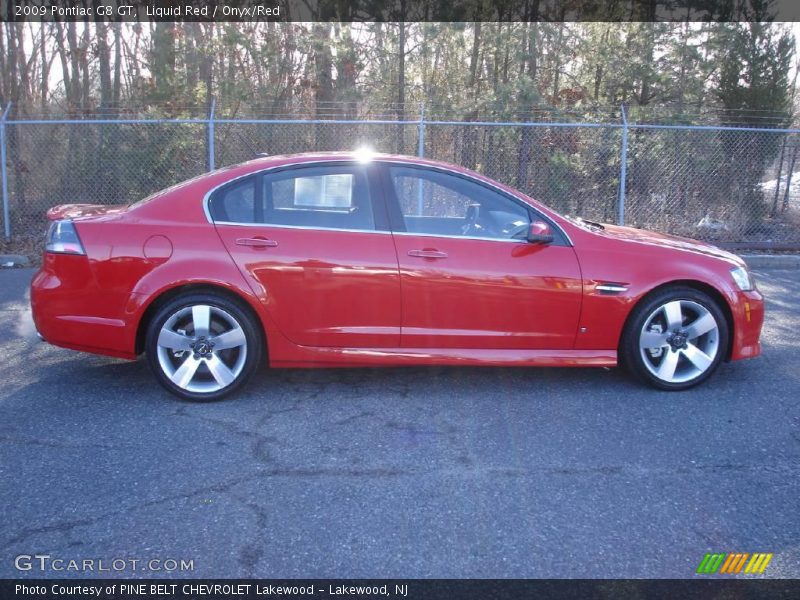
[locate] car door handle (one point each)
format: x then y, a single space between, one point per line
256 242
427 253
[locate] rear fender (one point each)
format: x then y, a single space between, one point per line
207 271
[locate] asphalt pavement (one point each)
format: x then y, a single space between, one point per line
403 472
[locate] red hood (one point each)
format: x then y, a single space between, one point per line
75 211
671 241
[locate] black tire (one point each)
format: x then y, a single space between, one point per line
223 312
644 363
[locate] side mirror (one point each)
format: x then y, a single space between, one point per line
540 233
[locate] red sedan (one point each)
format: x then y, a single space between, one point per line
327 260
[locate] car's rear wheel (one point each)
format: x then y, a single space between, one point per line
675 339
203 346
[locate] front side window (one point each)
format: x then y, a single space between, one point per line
326 197
435 203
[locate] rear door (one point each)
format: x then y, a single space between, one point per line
315 239
469 277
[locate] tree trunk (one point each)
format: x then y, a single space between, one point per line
104 60
557 63
323 93
190 36
401 83
470 144
75 67
162 61
84 59
115 95
44 83
789 179
531 64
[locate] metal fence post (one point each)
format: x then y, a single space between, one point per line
4 170
211 134
420 153
421 131
623 169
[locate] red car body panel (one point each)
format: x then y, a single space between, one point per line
488 294
350 295
644 261
334 298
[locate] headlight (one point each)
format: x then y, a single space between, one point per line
742 278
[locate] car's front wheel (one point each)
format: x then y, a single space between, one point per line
202 346
675 339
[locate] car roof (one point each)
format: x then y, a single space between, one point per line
266 161
229 172
205 183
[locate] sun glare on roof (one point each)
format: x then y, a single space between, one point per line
364 154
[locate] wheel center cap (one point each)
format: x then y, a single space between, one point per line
678 340
202 348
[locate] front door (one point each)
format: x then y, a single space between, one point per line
317 243
469 278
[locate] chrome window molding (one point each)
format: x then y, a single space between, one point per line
381 231
350 159
278 226
460 237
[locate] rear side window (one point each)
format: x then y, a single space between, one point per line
333 191
331 197
326 197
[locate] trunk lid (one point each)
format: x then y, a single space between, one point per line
77 211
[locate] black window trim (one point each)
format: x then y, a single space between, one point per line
397 222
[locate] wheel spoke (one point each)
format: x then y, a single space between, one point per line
201 319
230 339
183 375
652 339
674 315
697 357
702 324
666 370
220 371
173 340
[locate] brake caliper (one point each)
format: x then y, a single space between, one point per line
656 352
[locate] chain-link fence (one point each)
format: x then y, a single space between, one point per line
730 185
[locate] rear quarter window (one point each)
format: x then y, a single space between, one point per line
235 203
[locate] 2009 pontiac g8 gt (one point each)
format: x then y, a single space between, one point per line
323 260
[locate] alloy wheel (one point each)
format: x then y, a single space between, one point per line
679 341
202 348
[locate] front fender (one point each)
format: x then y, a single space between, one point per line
604 314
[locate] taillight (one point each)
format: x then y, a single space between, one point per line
62 238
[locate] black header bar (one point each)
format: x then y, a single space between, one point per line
400 10
414 589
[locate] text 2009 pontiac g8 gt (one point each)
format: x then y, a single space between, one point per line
337 260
